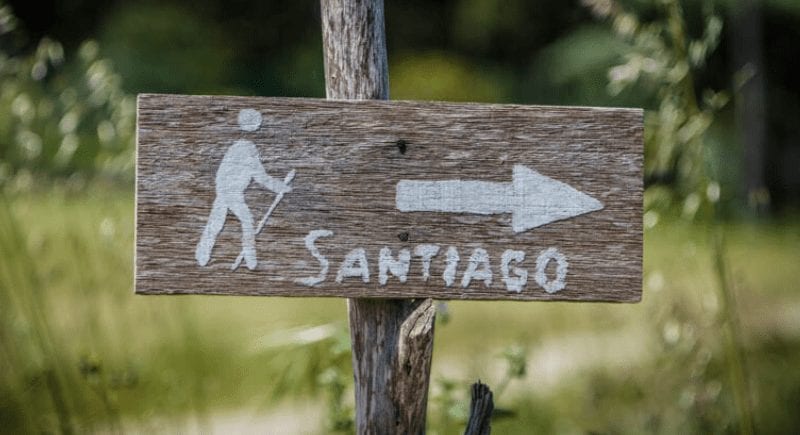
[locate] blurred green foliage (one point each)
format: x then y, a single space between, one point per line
175 364
61 118
196 50
437 76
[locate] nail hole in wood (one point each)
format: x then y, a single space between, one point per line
403 236
402 146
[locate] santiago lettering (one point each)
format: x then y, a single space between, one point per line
515 277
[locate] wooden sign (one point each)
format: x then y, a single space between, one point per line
388 199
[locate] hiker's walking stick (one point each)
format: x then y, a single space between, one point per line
287 180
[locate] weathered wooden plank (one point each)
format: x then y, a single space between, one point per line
351 159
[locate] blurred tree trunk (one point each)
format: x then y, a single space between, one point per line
747 40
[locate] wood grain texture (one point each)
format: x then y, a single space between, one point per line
354 42
348 164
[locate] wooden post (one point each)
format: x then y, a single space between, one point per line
392 340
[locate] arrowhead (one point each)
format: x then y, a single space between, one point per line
539 200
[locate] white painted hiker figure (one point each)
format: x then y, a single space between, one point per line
240 166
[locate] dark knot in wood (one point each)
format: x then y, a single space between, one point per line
402 146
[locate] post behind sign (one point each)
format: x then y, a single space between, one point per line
392 340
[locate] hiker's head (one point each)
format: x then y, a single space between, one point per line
249 120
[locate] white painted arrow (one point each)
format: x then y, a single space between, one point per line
532 199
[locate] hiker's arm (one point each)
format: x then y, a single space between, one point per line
261 177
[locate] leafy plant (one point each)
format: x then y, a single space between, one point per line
678 165
663 59
452 400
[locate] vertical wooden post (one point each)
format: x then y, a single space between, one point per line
392 340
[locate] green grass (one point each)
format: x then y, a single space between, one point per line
77 343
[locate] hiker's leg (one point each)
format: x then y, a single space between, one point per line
216 219
242 212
